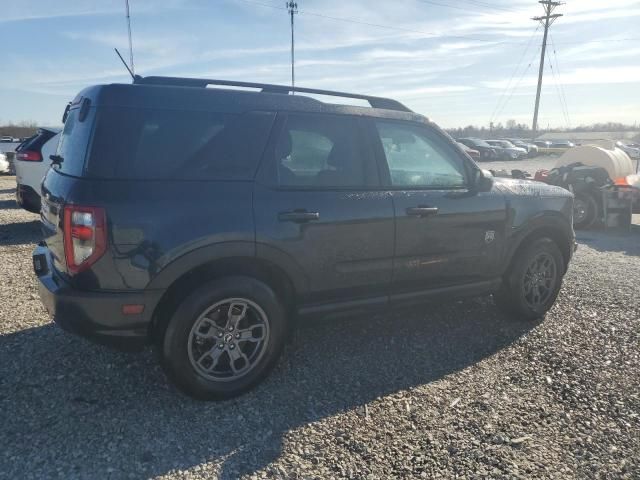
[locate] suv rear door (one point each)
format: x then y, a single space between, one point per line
447 234
318 204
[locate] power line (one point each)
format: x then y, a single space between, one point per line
515 71
563 107
488 5
564 97
422 32
379 25
429 2
513 91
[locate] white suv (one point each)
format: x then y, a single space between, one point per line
31 164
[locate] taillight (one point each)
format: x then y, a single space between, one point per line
29 156
85 236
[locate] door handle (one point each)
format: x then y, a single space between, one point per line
298 216
422 211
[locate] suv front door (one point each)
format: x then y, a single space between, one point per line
447 233
318 204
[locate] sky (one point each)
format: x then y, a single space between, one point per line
459 62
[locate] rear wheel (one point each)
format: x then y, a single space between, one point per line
224 338
533 282
585 210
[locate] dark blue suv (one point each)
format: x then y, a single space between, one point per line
205 220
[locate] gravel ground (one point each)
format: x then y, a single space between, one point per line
445 391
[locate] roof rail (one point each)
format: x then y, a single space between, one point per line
375 102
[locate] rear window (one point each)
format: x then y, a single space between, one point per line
35 142
72 146
160 144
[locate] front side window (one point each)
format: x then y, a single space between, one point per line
418 158
323 152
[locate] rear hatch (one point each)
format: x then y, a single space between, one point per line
66 169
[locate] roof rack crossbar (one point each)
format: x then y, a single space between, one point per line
375 102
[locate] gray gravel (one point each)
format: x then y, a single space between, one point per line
444 391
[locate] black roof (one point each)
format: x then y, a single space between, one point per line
192 94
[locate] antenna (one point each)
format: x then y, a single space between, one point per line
133 70
125 65
292 9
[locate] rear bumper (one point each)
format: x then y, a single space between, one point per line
28 198
96 316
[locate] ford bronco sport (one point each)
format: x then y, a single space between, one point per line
204 220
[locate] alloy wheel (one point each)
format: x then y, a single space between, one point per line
539 280
228 339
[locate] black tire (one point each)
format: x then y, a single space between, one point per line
585 210
514 298
176 346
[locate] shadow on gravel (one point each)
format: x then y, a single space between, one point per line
7 190
82 410
20 233
625 241
8 204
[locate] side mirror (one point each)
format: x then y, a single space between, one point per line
483 180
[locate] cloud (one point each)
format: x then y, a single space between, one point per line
581 76
451 62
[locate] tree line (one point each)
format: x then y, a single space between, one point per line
512 129
20 130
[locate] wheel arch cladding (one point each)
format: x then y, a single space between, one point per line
555 232
260 269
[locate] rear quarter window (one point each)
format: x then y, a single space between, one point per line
73 143
162 144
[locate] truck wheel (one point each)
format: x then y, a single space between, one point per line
533 281
585 210
224 338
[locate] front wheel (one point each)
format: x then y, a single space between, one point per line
224 338
533 282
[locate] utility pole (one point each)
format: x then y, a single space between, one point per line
292 8
546 20
133 70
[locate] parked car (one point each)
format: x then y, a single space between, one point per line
565 144
4 164
475 154
220 216
508 150
487 152
532 149
6 139
546 147
633 150
31 164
